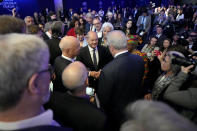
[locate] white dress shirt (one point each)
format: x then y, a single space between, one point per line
91 50
67 58
46 118
122 52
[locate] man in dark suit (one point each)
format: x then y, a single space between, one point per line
160 36
120 80
89 24
69 46
93 57
53 43
73 108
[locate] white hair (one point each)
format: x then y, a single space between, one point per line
117 39
107 24
21 56
146 115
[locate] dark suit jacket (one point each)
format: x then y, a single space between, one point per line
160 40
120 84
45 37
54 49
59 65
76 112
85 57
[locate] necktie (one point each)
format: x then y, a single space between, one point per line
94 59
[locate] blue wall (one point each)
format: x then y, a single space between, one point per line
25 7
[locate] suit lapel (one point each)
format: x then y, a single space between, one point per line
89 59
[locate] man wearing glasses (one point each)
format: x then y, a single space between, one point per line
24 83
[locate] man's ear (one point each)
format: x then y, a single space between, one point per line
87 82
32 84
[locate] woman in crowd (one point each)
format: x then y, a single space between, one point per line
106 27
82 23
129 28
150 47
80 36
170 71
73 25
165 45
132 43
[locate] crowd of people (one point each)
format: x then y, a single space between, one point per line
100 70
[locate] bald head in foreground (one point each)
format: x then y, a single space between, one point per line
69 46
75 78
74 108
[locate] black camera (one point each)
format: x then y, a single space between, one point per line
177 60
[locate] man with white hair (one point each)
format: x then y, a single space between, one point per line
73 108
24 83
120 80
69 46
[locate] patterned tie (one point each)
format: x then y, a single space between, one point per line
94 58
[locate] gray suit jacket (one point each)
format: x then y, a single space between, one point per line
147 24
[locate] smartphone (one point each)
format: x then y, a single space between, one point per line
90 91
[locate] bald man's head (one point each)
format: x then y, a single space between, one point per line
75 76
92 39
70 46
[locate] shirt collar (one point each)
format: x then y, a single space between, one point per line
46 118
91 49
48 34
122 52
67 58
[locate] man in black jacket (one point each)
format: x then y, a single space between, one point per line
69 46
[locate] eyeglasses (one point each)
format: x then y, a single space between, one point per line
49 69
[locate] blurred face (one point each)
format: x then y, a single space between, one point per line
53 17
80 37
166 65
159 30
166 43
153 41
29 21
97 24
129 24
76 24
81 21
89 20
106 30
92 40
175 37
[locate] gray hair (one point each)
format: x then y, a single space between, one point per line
89 15
146 115
175 68
117 39
107 24
25 19
21 56
74 76
48 26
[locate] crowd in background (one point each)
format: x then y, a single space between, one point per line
164 39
